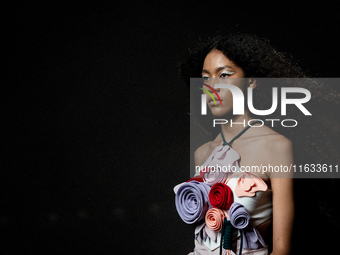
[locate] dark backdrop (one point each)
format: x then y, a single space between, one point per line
97 124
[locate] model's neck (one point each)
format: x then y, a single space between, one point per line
235 125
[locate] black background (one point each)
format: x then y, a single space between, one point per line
97 126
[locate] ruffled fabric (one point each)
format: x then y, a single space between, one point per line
218 167
248 184
206 232
252 239
231 189
239 218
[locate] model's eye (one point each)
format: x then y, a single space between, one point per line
205 77
226 74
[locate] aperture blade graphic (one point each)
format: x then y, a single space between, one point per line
209 94
214 92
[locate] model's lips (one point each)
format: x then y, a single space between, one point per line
212 103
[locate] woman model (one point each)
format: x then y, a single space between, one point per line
272 208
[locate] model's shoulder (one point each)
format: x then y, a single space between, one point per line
274 148
277 143
268 142
204 151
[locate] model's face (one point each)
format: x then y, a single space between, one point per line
217 66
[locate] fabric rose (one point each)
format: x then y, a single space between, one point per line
192 201
221 196
239 217
214 219
196 178
248 184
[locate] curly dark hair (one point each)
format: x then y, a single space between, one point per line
254 55
259 59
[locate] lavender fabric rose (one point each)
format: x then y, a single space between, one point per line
192 201
239 218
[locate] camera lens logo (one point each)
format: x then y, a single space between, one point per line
204 98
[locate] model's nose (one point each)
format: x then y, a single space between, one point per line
210 86
216 89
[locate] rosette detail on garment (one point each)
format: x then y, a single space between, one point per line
218 167
214 219
248 184
221 196
192 201
240 218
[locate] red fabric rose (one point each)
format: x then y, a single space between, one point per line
196 178
221 196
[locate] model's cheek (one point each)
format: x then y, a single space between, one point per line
227 98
